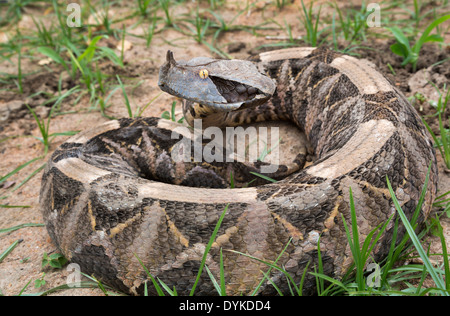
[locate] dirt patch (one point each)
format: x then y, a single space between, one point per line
391 64
420 87
19 132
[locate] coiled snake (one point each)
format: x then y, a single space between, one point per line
113 194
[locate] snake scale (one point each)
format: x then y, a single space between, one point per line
112 194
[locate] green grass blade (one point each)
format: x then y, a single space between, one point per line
440 233
357 251
412 235
88 54
332 281
141 111
402 46
208 247
255 291
24 288
67 133
127 102
29 177
266 276
444 139
5 253
423 38
316 27
14 206
232 185
353 240
99 284
11 229
111 55
77 63
167 288
4 178
214 281
155 284
271 265
70 286
263 176
389 260
223 289
52 54
40 123
302 280
145 289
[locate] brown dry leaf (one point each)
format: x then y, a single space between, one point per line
126 45
45 61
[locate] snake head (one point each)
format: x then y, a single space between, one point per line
222 85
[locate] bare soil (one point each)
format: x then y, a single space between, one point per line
17 126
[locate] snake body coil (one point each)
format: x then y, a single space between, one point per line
112 193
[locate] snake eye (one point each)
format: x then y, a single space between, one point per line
203 74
